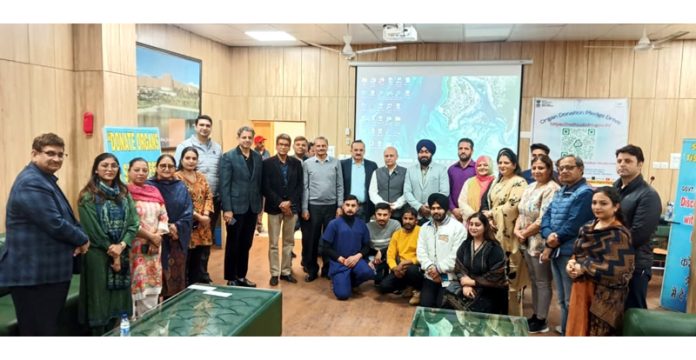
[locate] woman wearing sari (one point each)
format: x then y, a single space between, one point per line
480 284
109 217
474 187
201 236
504 195
179 211
601 267
146 269
535 200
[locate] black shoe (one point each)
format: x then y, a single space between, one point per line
539 326
232 283
273 281
288 278
325 272
310 278
532 320
246 283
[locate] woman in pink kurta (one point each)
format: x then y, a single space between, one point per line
146 268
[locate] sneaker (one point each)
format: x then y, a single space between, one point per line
539 326
415 299
532 320
558 329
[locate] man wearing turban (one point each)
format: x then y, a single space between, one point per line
425 178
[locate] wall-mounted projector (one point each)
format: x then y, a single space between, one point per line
399 33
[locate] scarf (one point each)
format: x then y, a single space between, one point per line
146 193
112 215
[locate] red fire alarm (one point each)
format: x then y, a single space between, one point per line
88 123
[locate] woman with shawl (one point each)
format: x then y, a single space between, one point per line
474 187
480 284
180 213
108 215
146 269
601 267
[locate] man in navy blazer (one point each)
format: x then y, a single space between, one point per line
240 187
357 171
42 237
282 187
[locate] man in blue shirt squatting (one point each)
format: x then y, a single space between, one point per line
346 242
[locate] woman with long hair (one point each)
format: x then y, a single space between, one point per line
535 200
504 196
474 187
109 217
146 269
201 236
601 268
480 284
180 213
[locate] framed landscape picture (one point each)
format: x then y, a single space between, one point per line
169 93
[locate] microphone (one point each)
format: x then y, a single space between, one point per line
652 178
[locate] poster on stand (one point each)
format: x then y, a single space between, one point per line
675 282
590 128
128 143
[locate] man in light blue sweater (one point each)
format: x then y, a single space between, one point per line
425 178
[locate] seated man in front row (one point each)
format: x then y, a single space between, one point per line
381 231
402 259
346 241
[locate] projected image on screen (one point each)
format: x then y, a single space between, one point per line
399 105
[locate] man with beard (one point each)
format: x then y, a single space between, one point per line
459 172
357 173
381 230
425 178
438 242
402 260
346 243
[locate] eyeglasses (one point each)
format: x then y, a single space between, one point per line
166 166
567 167
51 154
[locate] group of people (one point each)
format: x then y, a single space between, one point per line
460 237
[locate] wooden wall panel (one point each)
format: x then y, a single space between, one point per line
468 51
111 47
274 72
42 113
42 45
575 84
328 73
552 81
664 127
128 39
328 118
274 108
532 73
427 52
688 74
345 80
407 52
87 40
238 76
311 60
669 67
621 70
292 70
447 52
181 41
257 108
346 116
291 109
310 115
63 36
386 56
511 51
15 42
489 51
219 68
644 74
641 117
257 71
599 70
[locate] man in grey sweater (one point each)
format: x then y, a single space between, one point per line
381 231
321 202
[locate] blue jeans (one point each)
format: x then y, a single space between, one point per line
563 285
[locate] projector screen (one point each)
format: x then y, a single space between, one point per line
399 105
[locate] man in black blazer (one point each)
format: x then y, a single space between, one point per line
364 169
282 186
36 262
240 187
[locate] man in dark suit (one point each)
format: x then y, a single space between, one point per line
282 187
240 186
357 173
43 235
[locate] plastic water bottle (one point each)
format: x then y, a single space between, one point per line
125 325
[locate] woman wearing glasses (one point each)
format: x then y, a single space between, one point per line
201 237
109 217
180 212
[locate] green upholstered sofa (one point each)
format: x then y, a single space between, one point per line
67 323
641 322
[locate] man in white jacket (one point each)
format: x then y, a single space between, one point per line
438 242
